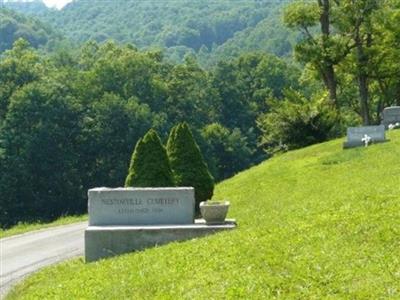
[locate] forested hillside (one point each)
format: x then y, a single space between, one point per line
15 25
269 35
29 7
209 29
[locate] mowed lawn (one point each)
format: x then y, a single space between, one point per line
317 223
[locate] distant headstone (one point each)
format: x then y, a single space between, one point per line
391 115
141 206
356 136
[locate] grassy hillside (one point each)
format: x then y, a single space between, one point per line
317 223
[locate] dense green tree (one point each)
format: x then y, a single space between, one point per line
322 49
40 176
125 72
384 73
362 22
149 165
227 151
18 66
187 163
354 47
191 95
354 20
297 122
111 127
243 85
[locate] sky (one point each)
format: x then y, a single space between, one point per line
56 3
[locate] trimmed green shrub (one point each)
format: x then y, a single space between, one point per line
149 164
187 163
298 121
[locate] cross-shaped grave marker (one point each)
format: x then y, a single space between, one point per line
366 139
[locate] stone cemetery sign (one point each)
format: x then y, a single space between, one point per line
123 220
141 206
356 136
391 115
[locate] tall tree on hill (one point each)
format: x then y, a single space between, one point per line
189 86
384 53
18 67
344 46
149 165
113 125
187 163
355 19
227 151
322 51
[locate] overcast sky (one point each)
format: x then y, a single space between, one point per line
56 3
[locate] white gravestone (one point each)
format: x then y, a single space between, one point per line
390 115
141 206
356 135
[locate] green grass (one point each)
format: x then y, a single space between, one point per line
317 223
26 227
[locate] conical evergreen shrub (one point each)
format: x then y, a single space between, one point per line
149 164
187 163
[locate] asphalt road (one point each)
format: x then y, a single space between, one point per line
24 254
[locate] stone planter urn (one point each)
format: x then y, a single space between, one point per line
214 212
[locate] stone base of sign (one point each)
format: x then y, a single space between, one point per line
107 241
354 144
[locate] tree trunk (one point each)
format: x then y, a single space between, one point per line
362 78
324 17
363 90
331 84
327 69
